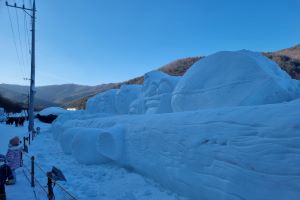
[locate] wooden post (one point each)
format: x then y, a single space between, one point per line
32 171
50 189
24 144
21 160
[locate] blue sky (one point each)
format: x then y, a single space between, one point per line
91 42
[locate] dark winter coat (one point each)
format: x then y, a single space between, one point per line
5 173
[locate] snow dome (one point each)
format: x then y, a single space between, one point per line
240 78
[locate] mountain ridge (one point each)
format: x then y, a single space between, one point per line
75 95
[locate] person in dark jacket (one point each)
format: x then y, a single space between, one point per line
5 173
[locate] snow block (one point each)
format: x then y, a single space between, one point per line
84 146
125 96
110 143
238 78
66 138
103 102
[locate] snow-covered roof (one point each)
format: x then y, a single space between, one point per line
53 111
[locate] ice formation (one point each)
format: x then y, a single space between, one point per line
233 79
244 139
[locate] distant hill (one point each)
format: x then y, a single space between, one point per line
75 96
10 106
288 59
292 52
53 95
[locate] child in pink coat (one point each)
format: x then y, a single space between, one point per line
13 157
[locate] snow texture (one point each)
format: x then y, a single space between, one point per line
156 94
125 96
84 146
102 103
53 111
211 154
234 134
233 79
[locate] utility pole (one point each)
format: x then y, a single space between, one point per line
32 74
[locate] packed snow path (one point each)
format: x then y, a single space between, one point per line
22 188
105 182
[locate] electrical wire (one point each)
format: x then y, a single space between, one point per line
20 42
14 39
27 42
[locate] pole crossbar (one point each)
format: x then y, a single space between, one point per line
20 7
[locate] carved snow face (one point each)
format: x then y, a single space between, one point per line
157 91
159 99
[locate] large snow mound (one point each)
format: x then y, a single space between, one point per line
233 79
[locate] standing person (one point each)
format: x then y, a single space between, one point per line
13 157
5 173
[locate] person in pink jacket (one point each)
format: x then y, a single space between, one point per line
13 157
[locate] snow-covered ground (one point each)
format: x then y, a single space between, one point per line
107 181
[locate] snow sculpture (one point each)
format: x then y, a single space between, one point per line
160 102
110 143
125 96
84 146
212 153
208 153
66 138
137 106
233 79
102 103
155 94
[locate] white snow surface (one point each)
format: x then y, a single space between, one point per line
86 182
156 93
210 153
102 103
233 79
53 111
231 108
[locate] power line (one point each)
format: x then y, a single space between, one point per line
27 42
14 39
26 31
20 42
